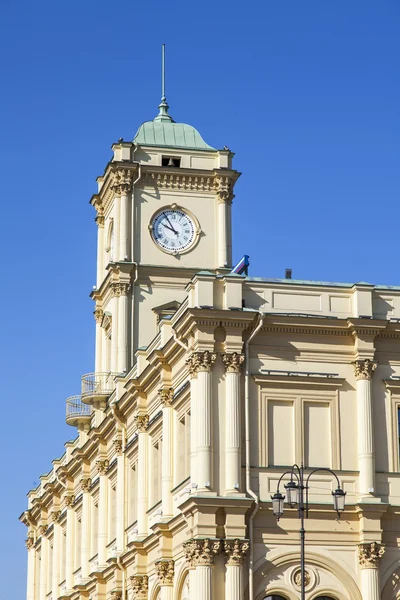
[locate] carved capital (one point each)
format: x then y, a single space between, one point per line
42 529
102 466
140 586
201 362
122 182
166 396
223 189
55 516
369 555
29 542
117 443
235 551
165 571
116 595
69 499
233 362
364 369
142 423
201 552
86 482
100 220
120 289
98 315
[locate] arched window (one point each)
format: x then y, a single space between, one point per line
274 597
324 598
110 241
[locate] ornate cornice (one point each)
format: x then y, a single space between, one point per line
233 362
102 466
221 185
235 551
142 423
117 443
120 289
140 586
165 571
166 395
98 315
201 552
121 182
364 369
200 362
369 555
86 482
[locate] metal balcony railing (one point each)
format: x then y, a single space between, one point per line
97 386
77 411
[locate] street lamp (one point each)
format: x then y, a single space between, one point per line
295 497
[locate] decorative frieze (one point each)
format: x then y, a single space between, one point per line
142 423
235 551
201 552
140 586
233 362
165 571
86 482
221 186
200 362
122 182
369 555
166 396
364 369
102 466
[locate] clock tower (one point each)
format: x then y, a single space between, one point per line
163 214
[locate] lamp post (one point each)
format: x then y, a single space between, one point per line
295 488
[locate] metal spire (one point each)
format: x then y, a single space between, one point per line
163 106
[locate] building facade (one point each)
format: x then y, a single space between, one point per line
207 386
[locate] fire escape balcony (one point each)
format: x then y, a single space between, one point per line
78 414
97 387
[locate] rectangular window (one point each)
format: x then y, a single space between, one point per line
171 161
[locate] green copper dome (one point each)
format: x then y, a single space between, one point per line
163 131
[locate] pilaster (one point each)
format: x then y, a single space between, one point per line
233 363
166 395
363 370
165 572
102 466
140 587
369 556
86 482
200 554
142 423
235 551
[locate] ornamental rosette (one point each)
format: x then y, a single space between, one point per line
140 586
165 571
364 369
233 362
201 551
235 551
369 555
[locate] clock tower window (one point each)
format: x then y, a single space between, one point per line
171 161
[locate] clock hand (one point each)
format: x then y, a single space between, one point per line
170 227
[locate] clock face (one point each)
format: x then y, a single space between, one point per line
173 230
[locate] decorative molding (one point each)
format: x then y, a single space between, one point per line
55 516
364 369
233 362
200 362
100 219
29 542
223 189
201 552
121 182
140 586
86 482
102 466
116 595
120 289
222 186
236 551
297 578
142 423
369 555
165 571
117 443
98 315
166 396
42 529
69 499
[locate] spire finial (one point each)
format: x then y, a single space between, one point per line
163 106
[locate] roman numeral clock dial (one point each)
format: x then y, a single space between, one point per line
173 230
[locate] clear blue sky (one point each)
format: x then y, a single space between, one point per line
306 93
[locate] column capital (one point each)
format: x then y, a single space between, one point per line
223 189
55 516
116 595
166 396
30 542
102 466
122 182
42 529
165 571
69 499
233 362
142 423
201 552
235 551
369 555
120 289
140 586
100 219
117 443
86 482
98 315
201 362
364 369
